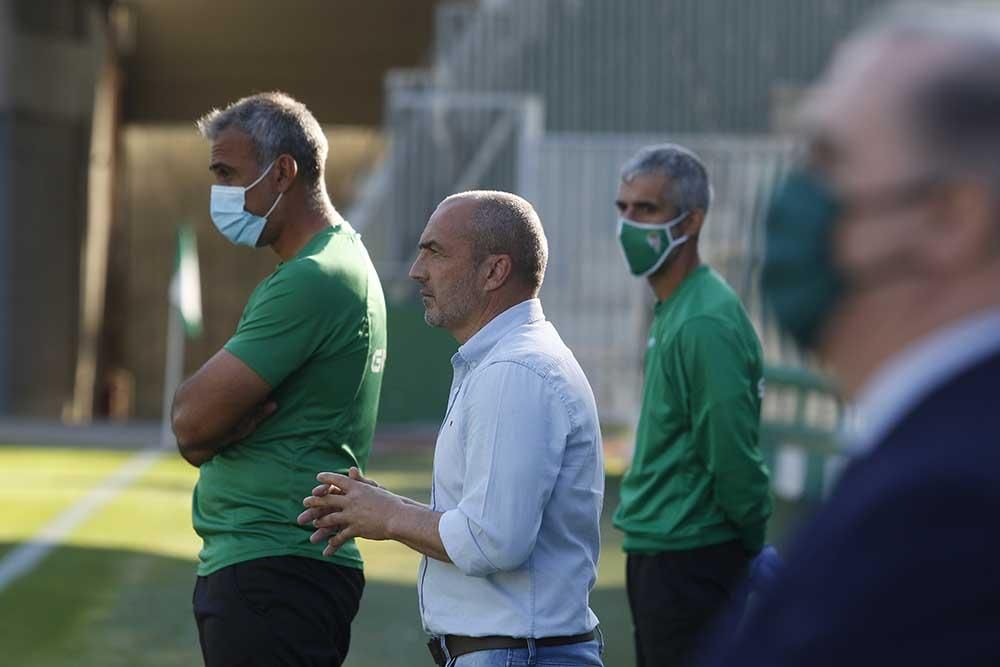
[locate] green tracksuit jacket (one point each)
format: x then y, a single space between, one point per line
697 477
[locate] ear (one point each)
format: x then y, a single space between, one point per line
285 169
498 271
961 229
692 225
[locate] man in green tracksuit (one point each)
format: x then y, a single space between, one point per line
294 390
695 501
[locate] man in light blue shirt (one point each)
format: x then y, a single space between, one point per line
511 537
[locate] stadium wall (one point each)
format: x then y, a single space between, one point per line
50 53
165 181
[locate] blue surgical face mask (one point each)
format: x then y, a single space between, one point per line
231 218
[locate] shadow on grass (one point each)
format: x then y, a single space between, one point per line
110 608
85 606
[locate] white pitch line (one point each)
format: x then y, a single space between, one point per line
26 556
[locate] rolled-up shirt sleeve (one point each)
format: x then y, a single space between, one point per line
516 433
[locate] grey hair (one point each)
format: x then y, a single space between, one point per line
505 224
954 111
276 124
689 188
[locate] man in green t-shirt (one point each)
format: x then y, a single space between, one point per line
295 390
695 501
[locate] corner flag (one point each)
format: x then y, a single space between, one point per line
185 286
183 319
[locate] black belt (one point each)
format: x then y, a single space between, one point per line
458 645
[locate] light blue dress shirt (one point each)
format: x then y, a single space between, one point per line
519 475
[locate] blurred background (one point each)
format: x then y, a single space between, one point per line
100 164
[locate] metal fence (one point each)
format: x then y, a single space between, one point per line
505 71
603 313
642 65
442 143
601 310
547 98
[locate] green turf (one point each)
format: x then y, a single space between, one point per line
37 484
118 591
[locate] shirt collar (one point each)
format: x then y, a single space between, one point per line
906 379
689 280
476 348
313 243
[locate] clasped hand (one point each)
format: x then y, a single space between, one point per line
345 507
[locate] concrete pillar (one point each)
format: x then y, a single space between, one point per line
51 52
6 118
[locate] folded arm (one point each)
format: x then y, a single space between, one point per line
219 405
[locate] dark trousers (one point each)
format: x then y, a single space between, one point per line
284 610
675 595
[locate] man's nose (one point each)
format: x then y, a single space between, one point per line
416 271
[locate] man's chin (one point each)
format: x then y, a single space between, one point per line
432 319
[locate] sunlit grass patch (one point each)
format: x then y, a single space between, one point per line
37 484
152 515
117 592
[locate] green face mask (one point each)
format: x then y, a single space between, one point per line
799 281
646 247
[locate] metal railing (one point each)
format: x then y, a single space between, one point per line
603 312
440 143
548 99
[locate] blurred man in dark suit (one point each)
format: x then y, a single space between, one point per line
884 260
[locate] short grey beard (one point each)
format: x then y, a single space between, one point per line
456 311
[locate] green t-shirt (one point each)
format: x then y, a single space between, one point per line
697 477
315 331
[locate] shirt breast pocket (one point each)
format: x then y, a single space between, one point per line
449 455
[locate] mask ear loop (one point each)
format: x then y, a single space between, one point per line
669 229
274 205
261 177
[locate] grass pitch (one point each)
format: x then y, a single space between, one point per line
117 590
